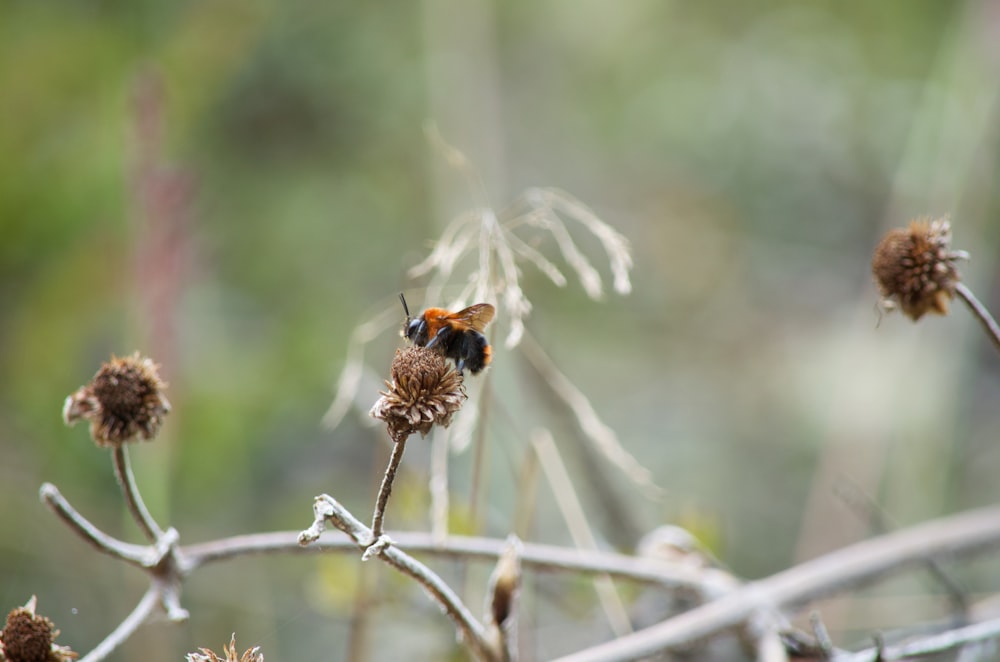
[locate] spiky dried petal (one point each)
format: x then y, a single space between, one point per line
425 391
206 655
915 267
123 401
29 637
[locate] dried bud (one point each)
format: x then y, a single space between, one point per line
425 391
206 655
123 401
914 268
501 599
28 637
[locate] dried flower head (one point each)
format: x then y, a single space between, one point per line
915 267
425 391
28 637
206 655
123 401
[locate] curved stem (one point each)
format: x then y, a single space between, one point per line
980 312
136 507
135 554
127 627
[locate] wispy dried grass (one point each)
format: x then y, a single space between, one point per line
499 245
481 256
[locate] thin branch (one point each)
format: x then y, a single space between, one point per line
127 627
980 312
326 508
876 516
385 489
137 555
545 558
937 643
136 507
851 566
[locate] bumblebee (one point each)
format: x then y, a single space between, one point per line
458 336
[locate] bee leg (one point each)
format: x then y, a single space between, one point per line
441 335
459 366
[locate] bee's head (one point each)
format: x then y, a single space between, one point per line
414 328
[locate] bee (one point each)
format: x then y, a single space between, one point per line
458 336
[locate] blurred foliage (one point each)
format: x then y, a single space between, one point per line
752 153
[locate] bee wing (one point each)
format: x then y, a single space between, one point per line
476 317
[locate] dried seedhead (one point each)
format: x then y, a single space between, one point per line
425 391
206 655
501 243
29 637
123 401
915 268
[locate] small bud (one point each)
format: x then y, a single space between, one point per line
206 655
425 391
501 599
28 637
914 268
123 401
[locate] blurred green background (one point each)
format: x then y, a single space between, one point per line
231 187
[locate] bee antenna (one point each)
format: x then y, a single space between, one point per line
406 308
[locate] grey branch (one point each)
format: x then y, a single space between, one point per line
328 509
937 643
851 566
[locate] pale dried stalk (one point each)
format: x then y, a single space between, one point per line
579 526
350 377
439 485
707 582
603 438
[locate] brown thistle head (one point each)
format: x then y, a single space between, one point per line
123 401
915 268
30 637
425 391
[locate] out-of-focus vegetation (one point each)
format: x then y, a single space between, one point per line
231 186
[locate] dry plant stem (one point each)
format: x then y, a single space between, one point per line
870 511
579 527
544 558
594 429
851 566
136 507
385 489
439 484
770 648
127 627
981 313
136 555
937 643
326 508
